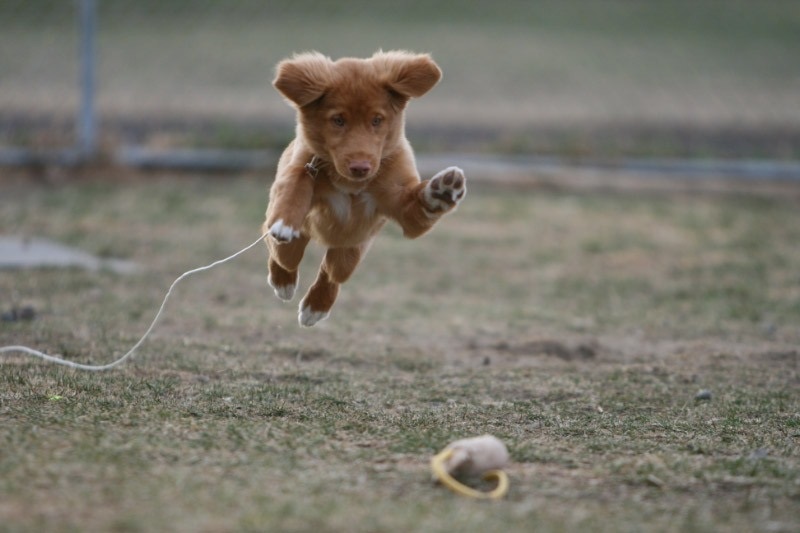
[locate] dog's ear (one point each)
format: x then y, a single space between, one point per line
304 78
406 74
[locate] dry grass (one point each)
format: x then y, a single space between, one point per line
577 328
573 78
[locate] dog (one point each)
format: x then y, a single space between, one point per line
349 169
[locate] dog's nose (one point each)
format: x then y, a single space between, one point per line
359 169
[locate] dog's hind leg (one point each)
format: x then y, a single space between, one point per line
284 260
337 267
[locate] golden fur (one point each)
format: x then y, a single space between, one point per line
349 168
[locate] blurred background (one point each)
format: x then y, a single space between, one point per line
589 80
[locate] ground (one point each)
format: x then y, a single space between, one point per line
577 325
634 342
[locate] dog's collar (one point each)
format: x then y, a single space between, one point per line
312 167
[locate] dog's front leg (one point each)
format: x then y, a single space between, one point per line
289 203
429 200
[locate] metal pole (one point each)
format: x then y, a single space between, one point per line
87 126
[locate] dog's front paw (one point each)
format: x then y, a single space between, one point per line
282 232
445 190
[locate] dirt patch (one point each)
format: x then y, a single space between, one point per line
586 351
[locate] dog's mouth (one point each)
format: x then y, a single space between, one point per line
351 185
357 171
360 179
358 166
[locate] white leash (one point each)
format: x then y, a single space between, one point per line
96 368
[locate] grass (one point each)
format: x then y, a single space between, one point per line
577 328
577 78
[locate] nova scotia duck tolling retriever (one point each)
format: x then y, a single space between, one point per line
349 168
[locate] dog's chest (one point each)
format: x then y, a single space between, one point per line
340 219
344 207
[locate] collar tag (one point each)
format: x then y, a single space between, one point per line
311 167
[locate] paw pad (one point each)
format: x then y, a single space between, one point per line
446 189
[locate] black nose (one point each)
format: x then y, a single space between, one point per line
359 169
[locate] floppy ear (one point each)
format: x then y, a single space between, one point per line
304 78
409 75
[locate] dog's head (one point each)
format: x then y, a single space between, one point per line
351 110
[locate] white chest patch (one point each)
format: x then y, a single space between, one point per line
343 204
367 203
340 204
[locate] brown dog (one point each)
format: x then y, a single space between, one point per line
349 169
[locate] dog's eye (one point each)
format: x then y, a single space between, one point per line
338 120
377 121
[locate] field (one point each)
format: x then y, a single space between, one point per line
576 326
579 78
634 342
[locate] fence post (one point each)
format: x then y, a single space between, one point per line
87 123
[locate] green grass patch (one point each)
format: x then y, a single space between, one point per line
576 328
